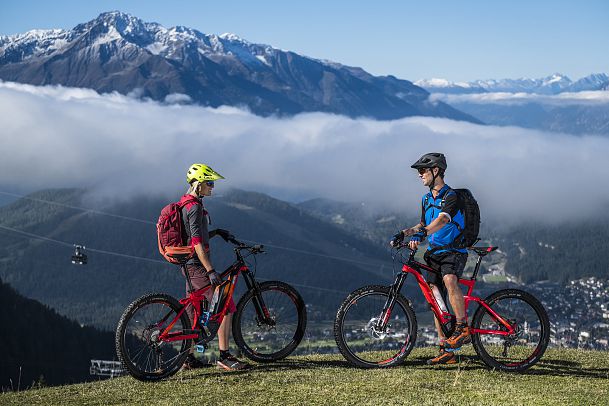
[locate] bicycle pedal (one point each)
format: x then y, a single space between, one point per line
200 348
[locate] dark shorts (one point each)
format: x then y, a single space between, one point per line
199 280
448 263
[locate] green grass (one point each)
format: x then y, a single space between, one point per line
495 278
563 377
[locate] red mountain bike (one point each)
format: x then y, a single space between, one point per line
376 326
155 334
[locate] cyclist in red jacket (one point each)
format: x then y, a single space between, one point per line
200 269
442 219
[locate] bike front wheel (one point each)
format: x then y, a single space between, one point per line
521 350
138 346
358 336
269 325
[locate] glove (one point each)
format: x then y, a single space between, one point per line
397 239
214 278
419 236
225 234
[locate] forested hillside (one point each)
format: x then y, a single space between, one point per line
321 260
324 248
559 252
38 345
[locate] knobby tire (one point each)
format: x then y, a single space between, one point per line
260 341
135 344
369 341
512 304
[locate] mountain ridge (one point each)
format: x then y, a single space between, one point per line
118 52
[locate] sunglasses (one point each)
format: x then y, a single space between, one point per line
210 183
422 170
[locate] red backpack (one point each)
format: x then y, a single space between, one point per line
169 231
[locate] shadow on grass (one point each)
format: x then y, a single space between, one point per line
556 367
545 367
284 365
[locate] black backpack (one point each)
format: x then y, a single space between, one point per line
469 207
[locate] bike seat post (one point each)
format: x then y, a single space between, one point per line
478 262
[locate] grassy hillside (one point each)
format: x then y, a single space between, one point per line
564 377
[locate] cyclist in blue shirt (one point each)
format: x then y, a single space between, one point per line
442 220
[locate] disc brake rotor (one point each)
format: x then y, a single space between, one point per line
372 330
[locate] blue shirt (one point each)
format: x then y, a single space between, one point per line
431 209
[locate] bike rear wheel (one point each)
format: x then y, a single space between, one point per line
266 339
356 333
523 349
142 353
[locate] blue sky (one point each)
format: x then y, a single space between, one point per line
456 40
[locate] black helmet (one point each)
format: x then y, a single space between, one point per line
430 160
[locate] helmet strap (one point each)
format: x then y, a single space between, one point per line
193 188
433 181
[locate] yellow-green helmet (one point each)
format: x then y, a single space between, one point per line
201 172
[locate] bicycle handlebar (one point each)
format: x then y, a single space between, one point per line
254 249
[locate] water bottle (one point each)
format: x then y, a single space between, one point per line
205 318
439 300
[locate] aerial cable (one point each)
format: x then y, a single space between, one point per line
39 237
118 254
84 209
87 210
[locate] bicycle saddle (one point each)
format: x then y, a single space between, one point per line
482 251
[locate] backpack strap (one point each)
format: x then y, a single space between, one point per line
459 236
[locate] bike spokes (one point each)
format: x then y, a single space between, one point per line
143 345
518 346
371 337
273 331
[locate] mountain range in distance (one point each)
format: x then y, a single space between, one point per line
554 84
554 103
119 52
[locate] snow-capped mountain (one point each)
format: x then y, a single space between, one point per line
444 86
553 84
118 52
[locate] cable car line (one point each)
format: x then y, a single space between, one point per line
39 237
84 209
354 261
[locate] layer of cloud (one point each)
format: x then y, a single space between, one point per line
119 146
563 99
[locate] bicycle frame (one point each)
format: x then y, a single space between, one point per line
196 297
413 267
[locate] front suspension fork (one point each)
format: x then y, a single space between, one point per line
394 291
261 310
